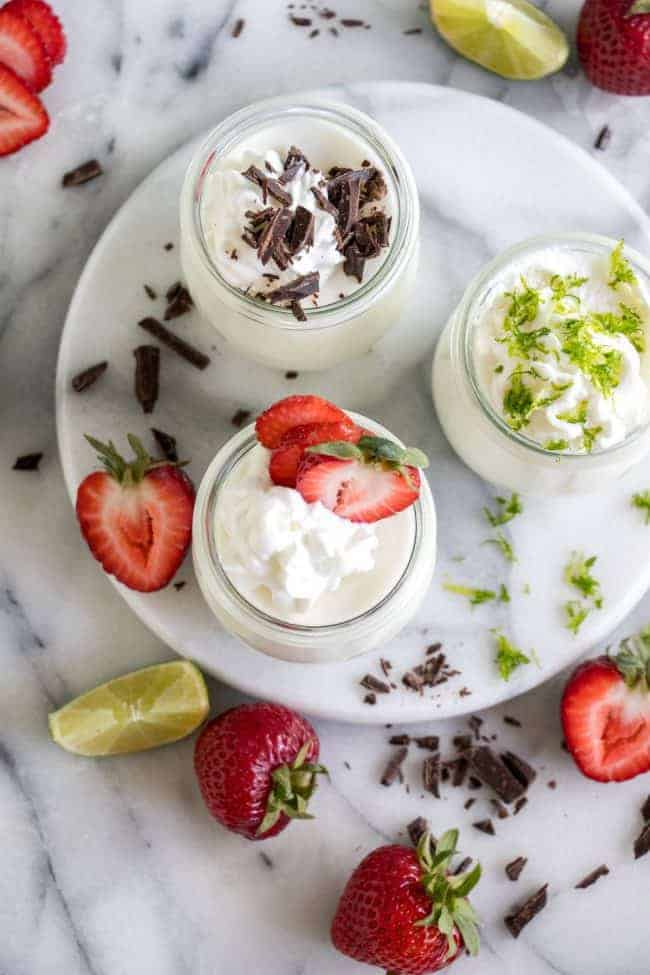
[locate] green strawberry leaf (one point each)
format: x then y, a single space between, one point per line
337 448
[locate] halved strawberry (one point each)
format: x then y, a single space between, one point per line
606 713
136 516
283 466
294 411
22 50
22 116
45 22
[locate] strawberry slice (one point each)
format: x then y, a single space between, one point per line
21 49
294 411
22 116
136 516
606 713
283 466
41 18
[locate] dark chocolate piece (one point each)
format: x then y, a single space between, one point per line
179 304
266 859
645 810
603 138
291 374
295 161
348 205
352 22
327 14
300 21
27 462
474 783
179 346
147 369
412 30
386 666
82 174
412 680
300 287
324 203
515 867
459 768
469 802
523 915
430 742
370 698
297 311
521 770
240 417
592 877
84 380
169 246
301 232
240 23
354 263
519 805
372 683
416 829
485 826
475 724
552 784
400 740
179 585
462 742
431 775
167 444
500 809
462 866
495 774
273 233
642 842
508 719
149 291
394 767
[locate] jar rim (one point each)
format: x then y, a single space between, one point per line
207 499
598 243
261 114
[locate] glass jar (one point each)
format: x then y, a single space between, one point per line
291 641
332 333
480 436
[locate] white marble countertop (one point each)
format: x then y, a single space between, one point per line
114 868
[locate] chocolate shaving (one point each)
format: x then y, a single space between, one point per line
167 444
642 842
400 740
179 304
324 203
301 287
592 877
301 231
500 809
238 27
524 914
386 666
348 205
412 680
372 683
239 418
147 369
462 742
416 829
412 30
179 585
521 770
508 719
394 767
297 311
495 774
84 380
149 291
179 346
300 21
82 174
514 869
431 775
354 263
27 462
295 161
485 826
645 810
474 783
430 742
603 138
273 233
552 784
291 374
266 859
475 724
352 22
469 802
519 805
370 699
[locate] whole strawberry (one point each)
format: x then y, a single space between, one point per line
402 911
614 45
256 766
606 713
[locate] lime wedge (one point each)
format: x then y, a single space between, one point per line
141 710
510 37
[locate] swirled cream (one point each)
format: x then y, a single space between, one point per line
560 349
300 562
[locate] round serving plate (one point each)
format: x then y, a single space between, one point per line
488 176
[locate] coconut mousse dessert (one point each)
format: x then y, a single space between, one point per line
541 378
314 532
299 232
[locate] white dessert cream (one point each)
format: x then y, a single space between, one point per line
300 562
541 378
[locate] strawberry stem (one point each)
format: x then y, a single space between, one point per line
450 908
633 660
291 789
128 472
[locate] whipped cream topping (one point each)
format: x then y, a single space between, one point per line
560 349
277 549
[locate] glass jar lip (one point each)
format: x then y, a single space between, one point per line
207 499
262 113
595 242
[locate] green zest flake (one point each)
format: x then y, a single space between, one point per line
576 614
524 308
448 892
504 595
579 415
518 402
507 510
506 548
589 435
499 368
475 596
642 501
508 657
620 269
562 287
602 366
578 574
556 445
628 323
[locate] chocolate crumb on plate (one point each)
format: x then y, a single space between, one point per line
352 22
177 345
168 246
301 287
240 417
603 138
399 740
85 379
266 859
434 648
430 742
27 462
642 842
179 585
462 742
645 810
416 829
394 767
552 784
469 802
508 719
496 774
412 30
515 867
238 27
291 374
297 311
372 683
523 915
519 805
370 698
327 14
475 724
485 826
147 371
431 775
459 767
314 33
82 174
499 809
167 444
413 681
592 877
474 783
300 21
521 770
149 291
462 866
334 32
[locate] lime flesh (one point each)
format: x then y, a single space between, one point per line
510 37
141 710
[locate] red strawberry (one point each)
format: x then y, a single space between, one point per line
294 411
137 516
283 466
256 768
606 713
404 913
45 22
22 50
614 45
364 486
22 116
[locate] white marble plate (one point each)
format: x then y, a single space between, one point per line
488 176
